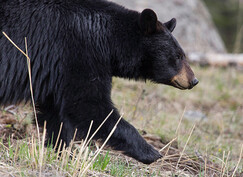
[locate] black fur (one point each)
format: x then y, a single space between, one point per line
76 47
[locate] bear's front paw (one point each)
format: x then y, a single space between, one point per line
150 156
145 154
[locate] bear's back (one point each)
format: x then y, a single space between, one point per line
47 25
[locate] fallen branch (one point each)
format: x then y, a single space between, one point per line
216 59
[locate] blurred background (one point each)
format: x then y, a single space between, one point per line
228 18
203 25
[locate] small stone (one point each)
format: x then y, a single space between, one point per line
195 116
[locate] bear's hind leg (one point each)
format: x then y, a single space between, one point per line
51 115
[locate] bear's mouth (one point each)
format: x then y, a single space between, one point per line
176 84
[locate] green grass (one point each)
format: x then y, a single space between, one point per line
101 162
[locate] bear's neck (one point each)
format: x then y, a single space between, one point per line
125 44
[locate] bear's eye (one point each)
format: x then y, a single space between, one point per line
179 57
177 62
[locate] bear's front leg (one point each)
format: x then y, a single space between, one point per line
127 139
90 100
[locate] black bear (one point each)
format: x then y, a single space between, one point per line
75 48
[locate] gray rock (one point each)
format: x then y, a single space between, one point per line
195 116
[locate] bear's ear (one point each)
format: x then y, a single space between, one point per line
170 25
148 21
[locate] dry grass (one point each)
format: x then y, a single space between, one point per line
218 96
26 156
213 148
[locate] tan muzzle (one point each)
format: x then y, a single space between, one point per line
185 79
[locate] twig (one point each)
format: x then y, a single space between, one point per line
238 161
98 152
205 162
31 90
58 136
168 144
29 71
178 127
222 167
185 146
15 45
177 130
99 127
42 148
225 164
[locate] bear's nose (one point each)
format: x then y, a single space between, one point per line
194 82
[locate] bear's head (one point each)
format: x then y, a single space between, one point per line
164 60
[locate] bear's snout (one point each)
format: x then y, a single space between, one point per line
193 83
185 79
